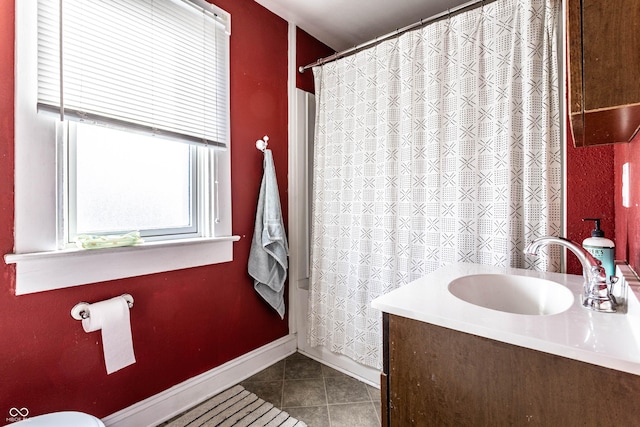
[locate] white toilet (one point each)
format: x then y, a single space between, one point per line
61 419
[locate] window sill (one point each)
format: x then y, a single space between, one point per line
44 271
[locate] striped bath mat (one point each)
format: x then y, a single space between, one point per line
236 407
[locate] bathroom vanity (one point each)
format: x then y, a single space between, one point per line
451 362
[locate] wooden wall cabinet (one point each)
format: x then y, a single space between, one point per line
603 47
434 376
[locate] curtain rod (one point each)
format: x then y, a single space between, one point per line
462 8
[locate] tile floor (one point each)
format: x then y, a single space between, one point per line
317 394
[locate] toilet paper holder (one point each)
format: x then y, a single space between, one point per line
81 310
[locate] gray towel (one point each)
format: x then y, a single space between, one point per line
269 249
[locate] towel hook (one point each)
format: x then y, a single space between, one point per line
261 144
81 310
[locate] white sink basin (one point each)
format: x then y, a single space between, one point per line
513 294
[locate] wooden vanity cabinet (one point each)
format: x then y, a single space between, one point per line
434 376
603 48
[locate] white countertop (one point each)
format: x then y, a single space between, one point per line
605 339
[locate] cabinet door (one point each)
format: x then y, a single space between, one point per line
604 70
442 377
384 376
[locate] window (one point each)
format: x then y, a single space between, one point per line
119 181
132 138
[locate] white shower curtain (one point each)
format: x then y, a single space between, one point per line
441 145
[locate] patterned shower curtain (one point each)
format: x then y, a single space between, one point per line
441 145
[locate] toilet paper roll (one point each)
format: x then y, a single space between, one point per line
112 317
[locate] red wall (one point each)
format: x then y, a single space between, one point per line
308 51
184 322
628 218
594 187
590 183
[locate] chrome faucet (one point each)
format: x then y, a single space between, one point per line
597 292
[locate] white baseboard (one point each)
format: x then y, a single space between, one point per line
177 399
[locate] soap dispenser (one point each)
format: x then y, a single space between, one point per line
600 247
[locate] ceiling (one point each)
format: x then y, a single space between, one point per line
342 24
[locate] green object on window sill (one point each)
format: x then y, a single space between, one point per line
87 241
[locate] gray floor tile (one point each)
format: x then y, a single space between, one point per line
271 391
346 390
316 394
313 416
272 373
353 415
375 399
304 393
298 356
373 392
330 372
297 369
378 411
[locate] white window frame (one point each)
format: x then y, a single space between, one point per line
40 264
201 185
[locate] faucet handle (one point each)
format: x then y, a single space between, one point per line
612 281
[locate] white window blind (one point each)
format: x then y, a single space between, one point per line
157 66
